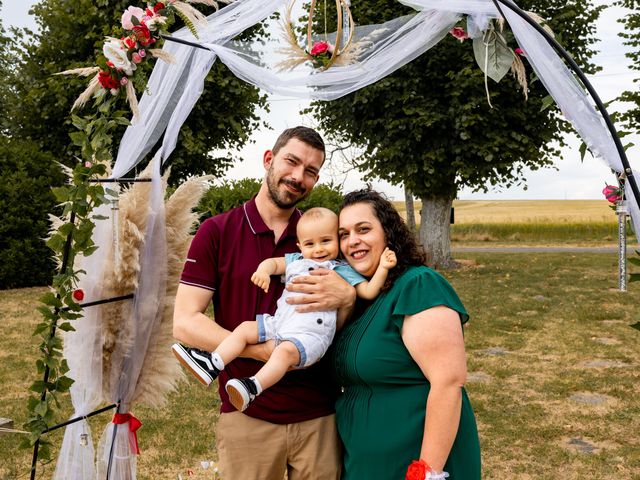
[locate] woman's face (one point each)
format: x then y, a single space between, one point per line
362 238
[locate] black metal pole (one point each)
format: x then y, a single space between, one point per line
184 42
585 81
77 419
52 333
113 442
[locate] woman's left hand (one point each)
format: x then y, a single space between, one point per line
322 290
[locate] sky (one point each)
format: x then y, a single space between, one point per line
574 179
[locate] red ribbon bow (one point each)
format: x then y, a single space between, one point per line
134 424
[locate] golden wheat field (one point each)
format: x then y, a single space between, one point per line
526 211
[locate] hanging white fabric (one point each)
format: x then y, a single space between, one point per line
173 90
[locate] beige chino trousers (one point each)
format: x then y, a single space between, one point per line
252 449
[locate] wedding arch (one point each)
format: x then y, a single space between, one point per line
370 52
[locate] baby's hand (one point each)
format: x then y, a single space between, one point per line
388 259
261 279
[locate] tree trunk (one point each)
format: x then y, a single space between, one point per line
411 213
435 218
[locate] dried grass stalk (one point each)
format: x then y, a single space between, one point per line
518 70
190 13
542 22
83 72
210 3
92 88
133 101
162 55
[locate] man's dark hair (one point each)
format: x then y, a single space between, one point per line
304 134
398 236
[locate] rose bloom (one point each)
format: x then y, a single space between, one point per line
116 53
612 194
78 295
136 58
142 53
158 6
107 81
459 33
319 48
143 35
519 51
130 41
137 12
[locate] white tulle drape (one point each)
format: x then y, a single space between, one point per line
83 351
173 90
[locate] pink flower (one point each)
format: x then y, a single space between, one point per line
319 48
136 57
459 33
519 51
137 12
88 164
124 81
612 194
142 53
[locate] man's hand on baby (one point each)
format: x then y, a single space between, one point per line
261 279
388 259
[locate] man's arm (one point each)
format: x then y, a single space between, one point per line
323 290
193 327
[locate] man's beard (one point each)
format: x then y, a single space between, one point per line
280 199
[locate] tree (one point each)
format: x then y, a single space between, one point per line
429 126
70 32
631 34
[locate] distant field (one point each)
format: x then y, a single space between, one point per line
531 222
527 211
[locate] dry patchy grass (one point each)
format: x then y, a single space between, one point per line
548 334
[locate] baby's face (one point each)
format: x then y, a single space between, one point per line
318 239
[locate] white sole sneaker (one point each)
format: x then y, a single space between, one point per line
239 396
184 357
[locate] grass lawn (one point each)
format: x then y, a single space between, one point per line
554 375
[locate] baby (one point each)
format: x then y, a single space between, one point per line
301 338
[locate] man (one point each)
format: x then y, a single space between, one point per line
290 427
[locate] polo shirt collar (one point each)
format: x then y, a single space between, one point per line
257 225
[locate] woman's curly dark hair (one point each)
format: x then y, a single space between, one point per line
398 236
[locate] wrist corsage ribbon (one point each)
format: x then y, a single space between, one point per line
420 470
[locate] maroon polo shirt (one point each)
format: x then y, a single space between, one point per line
224 253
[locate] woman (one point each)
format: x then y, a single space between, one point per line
401 363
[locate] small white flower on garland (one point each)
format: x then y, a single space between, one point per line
321 54
117 68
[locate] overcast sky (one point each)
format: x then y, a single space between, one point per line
573 179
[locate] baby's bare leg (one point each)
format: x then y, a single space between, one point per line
284 356
231 347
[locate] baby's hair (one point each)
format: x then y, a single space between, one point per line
318 212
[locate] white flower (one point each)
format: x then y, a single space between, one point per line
137 12
155 22
116 53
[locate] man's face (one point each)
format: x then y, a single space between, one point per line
292 172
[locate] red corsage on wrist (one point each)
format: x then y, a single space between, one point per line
417 470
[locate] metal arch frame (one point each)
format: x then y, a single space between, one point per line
594 95
574 66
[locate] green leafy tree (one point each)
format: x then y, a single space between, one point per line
70 32
429 125
631 36
231 194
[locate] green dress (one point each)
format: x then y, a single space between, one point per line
381 412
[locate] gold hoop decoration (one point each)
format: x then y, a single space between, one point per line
321 56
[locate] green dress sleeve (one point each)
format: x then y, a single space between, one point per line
422 288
